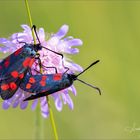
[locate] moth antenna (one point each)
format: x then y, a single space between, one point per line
34 27
75 78
87 68
90 85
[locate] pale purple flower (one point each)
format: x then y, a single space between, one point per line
55 42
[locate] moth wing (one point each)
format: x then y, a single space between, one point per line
20 61
37 85
8 89
9 63
41 85
12 70
9 85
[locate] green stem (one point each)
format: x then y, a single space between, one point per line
52 119
37 117
49 106
30 19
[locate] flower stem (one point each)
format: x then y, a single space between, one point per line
49 106
37 118
30 19
52 119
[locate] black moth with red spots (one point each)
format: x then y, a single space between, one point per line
46 84
14 68
17 65
15 73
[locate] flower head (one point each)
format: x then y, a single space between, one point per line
55 42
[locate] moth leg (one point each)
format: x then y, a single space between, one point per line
60 54
41 65
37 71
34 28
67 69
51 68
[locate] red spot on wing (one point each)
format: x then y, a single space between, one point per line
21 75
57 77
43 80
13 85
6 63
31 62
4 86
17 52
42 83
14 74
26 62
28 86
32 80
44 77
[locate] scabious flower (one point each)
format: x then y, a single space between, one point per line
55 42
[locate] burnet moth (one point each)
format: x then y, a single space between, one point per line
46 84
14 67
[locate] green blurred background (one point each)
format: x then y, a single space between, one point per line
110 31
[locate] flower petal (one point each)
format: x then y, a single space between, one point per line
15 104
75 42
34 104
58 102
44 107
67 99
6 104
3 40
16 97
62 31
23 104
73 67
41 34
53 42
26 28
73 90
72 50
4 49
8 46
27 33
64 97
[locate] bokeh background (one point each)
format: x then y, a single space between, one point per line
110 31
